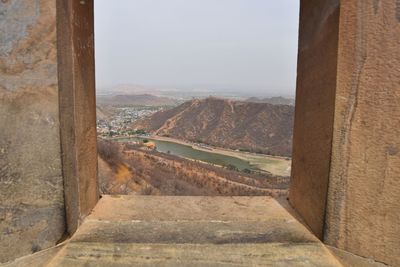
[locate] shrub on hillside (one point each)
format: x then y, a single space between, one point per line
109 151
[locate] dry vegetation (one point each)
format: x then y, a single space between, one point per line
131 169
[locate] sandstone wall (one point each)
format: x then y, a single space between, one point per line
31 184
315 100
75 44
363 214
346 156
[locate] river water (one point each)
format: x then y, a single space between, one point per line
187 151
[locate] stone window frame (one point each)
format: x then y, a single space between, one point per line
77 101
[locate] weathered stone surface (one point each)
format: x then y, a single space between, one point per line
363 212
40 259
28 39
347 126
192 231
199 232
196 255
315 101
31 185
350 260
217 219
248 236
24 14
161 208
75 40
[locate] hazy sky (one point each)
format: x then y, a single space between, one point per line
212 44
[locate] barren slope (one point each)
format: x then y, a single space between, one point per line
128 169
257 127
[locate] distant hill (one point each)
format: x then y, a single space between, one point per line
272 100
105 112
135 100
256 127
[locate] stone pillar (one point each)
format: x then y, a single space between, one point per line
314 112
75 33
363 212
48 157
32 212
346 161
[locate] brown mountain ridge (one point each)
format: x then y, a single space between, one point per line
255 127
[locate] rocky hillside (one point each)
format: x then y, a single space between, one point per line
256 127
129 169
105 112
